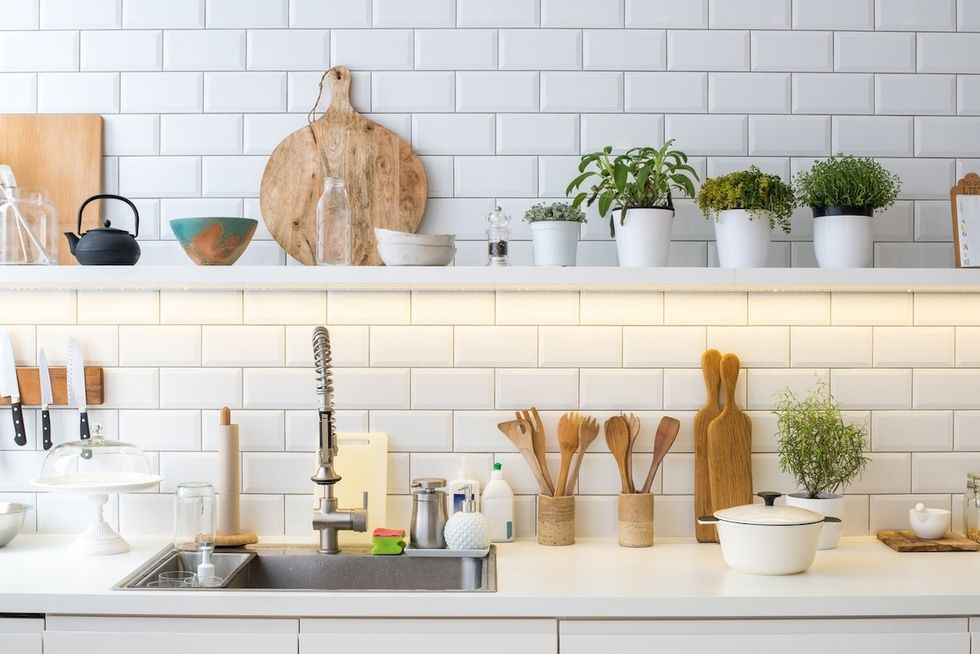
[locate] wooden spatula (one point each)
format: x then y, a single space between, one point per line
666 433
568 426
633 424
587 433
618 441
519 433
730 445
533 418
710 362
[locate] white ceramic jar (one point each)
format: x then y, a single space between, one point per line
643 240
555 242
742 239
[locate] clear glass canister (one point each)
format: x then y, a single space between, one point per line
498 237
28 227
971 507
194 516
333 224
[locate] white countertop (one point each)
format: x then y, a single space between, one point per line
594 578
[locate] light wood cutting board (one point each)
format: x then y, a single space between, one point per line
61 154
385 179
730 445
907 541
710 361
362 463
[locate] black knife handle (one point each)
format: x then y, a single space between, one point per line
83 426
46 428
20 430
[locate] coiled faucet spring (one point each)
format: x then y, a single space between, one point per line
323 364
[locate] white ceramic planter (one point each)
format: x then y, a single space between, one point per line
643 241
843 241
555 242
826 505
743 239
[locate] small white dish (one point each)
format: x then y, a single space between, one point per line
929 524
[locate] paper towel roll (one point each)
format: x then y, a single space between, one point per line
229 479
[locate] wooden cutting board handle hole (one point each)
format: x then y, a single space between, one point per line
338 80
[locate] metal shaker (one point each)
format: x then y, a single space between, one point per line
428 513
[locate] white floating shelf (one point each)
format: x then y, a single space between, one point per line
484 278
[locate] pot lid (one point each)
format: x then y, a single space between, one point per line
768 513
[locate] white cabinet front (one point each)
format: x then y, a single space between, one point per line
81 634
21 635
816 636
370 636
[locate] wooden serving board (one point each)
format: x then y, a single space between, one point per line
710 361
730 445
385 179
60 154
29 382
907 541
362 463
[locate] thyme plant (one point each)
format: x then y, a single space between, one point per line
557 211
847 181
763 195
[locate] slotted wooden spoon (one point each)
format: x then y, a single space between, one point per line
568 426
618 441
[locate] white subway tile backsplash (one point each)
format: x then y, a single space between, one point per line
415 431
872 389
620 50
792 51
510 347
645 92
539 308
664 13
452 389
871 309
497 91
247 13
580 347
201 134
150 14
68 14
882 52
914 15
414 13
198 388
663 346
77 92
161 92
540 49
502 13
941 472
116 50
232 176
946 137
723 135
789 308
916 94
945 389
714 50
357 307
21 14
160 176
946 309
877 136
947 53
330 13
763 385
373 49
757 347
581 13
348 345
836 93
451 307
200 307
705 308
749 14
204 50
274 308
838 347
20 95
287 49
421 92
912 431
562 92
152 345
161 430
456 49
913 347
620 132
968 95
537 133
242 346
371 389
257 430
290 388
785 135
545 389
453 133
764 93
621 389
833 14
503 176
405 346
100 343
132 388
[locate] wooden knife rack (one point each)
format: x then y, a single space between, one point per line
29 381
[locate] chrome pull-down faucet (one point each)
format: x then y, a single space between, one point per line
328 519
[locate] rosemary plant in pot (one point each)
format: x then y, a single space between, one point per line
821 452
746 206
635 189
844 192
555 230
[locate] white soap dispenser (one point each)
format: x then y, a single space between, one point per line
468 529
498 506
456 490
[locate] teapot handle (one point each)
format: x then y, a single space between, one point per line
109 196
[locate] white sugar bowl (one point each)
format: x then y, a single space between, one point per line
929 524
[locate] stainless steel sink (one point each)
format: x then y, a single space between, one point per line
305 569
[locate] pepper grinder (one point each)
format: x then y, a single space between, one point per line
498 235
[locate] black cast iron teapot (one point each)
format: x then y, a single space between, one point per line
105 246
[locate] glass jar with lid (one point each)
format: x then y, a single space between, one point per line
971 507
28 227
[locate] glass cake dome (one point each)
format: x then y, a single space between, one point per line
96 464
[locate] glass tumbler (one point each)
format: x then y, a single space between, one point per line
333 224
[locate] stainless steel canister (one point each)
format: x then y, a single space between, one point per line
428 513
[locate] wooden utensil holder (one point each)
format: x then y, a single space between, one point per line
636 519
556 520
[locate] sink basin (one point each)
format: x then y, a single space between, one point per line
305 569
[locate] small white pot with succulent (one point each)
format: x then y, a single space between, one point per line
637 187
555 229
821 452
746 206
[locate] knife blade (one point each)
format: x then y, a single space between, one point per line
9 387
76 389
46 397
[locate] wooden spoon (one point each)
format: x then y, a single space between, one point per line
519 433
666 433
633 423
618 441
533 418
568 426
587 433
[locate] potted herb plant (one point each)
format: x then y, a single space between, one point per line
746 206
844 192
554 233
821 452
637 188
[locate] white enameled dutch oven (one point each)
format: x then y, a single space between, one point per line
764 539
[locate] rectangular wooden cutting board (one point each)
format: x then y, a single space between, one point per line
362 462
60 154
907 541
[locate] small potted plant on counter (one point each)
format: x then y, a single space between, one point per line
746 206
844 192
636 190
821 452
554 233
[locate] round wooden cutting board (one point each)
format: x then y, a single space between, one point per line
384 178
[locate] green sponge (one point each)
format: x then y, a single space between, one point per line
388 541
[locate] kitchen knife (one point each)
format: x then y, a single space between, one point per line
76 389
44 375
9 387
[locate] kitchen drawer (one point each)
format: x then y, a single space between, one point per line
817 636
368 636
21 635
122 635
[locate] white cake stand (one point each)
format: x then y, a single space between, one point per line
99 538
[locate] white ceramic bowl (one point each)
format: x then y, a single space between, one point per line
404 249
929 524
11 520
388 236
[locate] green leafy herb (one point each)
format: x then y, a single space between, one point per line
556 211
761 194
639 178
815 445
847 181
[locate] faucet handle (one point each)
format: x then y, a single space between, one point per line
364 501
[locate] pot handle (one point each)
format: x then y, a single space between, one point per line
769 497
109 196
831 518
707 520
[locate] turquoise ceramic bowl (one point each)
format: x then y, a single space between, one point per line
217 241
